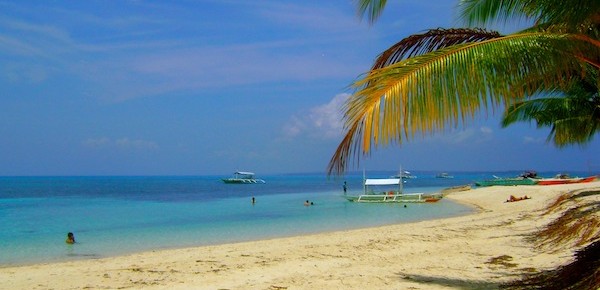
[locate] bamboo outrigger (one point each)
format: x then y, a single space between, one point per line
394 195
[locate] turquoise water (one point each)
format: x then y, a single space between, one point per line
118 215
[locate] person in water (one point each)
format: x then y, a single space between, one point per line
70 238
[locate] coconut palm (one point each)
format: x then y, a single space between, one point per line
573 114
444 77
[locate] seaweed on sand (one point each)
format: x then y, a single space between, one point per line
579 224
570 196
582 273
558 202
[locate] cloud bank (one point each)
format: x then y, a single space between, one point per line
324 121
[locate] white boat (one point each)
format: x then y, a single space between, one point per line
243 177
375 191
404 174
444 175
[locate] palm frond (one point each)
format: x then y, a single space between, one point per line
573 116
372 8
428 92
572 120
573 14
429 41
482 12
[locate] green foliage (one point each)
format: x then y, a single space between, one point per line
573 115
372 8
441 78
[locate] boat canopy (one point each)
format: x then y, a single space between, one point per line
388 181
244 173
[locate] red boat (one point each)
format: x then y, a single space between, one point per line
559 180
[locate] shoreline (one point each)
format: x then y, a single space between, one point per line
479 250
191 224
74 257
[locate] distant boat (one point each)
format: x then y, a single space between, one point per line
507 181
404 174
565 179
526 178
242 177
444 175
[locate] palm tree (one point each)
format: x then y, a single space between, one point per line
443 77
573 114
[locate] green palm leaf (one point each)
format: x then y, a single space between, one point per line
571 120
443 77
573 116
428 92
373 8
478 12
572 13
429 41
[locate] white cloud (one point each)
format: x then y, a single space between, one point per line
322 17
486 130
324 121
134 55
468 135
96 143
125 143
122 143
462 136
16 73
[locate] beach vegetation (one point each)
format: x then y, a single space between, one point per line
426 83
572 113
582 273
578 225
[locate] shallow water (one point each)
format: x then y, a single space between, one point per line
118 215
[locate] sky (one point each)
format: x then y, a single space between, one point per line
210 87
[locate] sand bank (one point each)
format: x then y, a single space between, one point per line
478 251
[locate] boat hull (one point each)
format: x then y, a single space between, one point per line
395 198
507 182
555 181
242 180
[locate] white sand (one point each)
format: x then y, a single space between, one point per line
452 253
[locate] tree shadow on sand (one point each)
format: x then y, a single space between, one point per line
583 273
578 225
448 282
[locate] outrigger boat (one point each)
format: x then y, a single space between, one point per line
444 175
507 181
243 177
526 178
403 174
394 195
565 179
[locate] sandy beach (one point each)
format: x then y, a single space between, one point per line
495 245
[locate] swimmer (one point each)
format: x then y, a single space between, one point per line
70 238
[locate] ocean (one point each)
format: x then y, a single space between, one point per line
117 215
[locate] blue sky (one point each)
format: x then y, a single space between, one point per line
210 87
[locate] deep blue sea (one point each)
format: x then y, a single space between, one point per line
118 215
